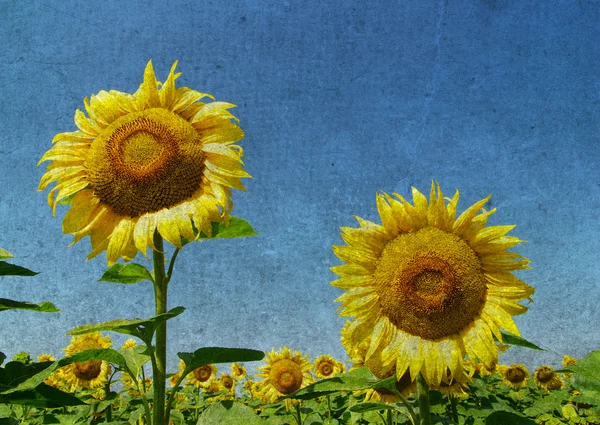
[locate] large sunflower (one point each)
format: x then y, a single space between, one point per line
427 290
158 159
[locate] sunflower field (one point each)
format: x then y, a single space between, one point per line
429 296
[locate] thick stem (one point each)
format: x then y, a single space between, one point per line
453 403
390 420
299 419
160 300
423 390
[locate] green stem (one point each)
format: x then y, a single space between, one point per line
160 300
413 416
329 408
423 390
172 264
390 421
299 419
453 403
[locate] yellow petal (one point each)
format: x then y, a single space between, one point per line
83 205
168 228
120 238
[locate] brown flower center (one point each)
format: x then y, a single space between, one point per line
145 161
227 381
515 375
325 368
430 283
203 373
286 376
88 370
545 374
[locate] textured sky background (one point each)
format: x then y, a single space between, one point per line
339 100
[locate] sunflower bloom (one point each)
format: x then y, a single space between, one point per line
238 371
515 376
284 373
201 377
325 367
427 290
159 159
546 378
568 361
92 374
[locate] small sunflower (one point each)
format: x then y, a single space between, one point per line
427 290
200 377
92 374
326 367
54 379
238 371
568 361
130 343
546 378
284 373
515 376
156 160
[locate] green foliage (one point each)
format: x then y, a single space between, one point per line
229 412
237 228
355 380
127 274
46 307
140 328
214 355
22 357
7 269
510 339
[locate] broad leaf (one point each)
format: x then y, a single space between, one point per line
369 407
141 328
7 269
43 396
46 307
211 355
136 358
2 358
357 379
106 354
237 228
229 412
504 418
128 274
511 339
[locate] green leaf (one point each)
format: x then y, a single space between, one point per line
587 373
212 355
106 354
7 269
15 372
4 254
238 228
547 404
511 339
141 328
504 418
369 407
45 306
128 274
43 396
357 379
2 358
136 358
229 412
